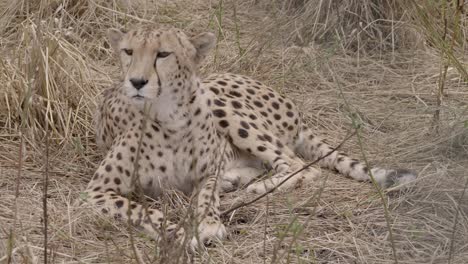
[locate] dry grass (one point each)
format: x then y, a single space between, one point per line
388 66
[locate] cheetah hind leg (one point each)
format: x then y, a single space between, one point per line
237 177
276 154
283 180
241 169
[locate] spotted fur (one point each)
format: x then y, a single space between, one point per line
163 128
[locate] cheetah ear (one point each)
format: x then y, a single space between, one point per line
203 43
114 36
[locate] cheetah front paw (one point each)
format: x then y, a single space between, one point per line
209 230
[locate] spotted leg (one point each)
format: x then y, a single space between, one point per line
112 180
210 226
267 147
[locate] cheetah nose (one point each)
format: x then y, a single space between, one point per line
138 83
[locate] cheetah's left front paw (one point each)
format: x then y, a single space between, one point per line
208 230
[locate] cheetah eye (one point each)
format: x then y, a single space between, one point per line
163 54
129 52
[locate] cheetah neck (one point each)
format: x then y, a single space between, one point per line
172 110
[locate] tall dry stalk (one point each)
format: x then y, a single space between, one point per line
443 24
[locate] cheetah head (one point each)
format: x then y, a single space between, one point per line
158 63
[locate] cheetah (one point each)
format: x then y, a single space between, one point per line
164 128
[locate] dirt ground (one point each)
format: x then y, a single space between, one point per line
56 56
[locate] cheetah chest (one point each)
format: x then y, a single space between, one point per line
182 159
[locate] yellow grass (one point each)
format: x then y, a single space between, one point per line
385 59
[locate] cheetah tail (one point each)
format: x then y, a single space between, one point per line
312 147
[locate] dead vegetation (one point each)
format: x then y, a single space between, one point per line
400 68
